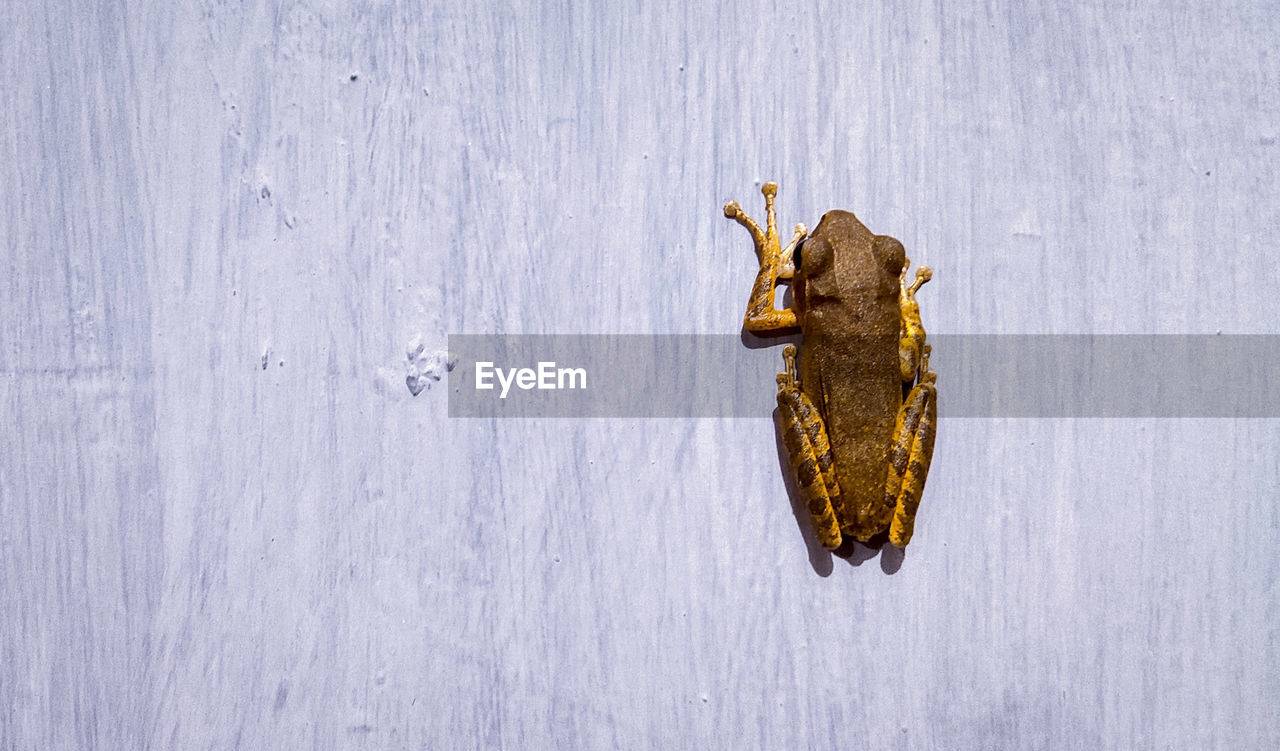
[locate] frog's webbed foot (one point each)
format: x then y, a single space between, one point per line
809 454
775 264
911 453
913 336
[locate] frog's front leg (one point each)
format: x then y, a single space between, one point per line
809 454
912 340
911 453
775 264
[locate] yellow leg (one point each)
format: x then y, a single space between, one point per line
809 454
775 264
912 342
911 453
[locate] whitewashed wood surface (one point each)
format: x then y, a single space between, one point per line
226 523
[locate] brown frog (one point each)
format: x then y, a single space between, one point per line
858 418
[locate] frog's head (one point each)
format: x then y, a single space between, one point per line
844 260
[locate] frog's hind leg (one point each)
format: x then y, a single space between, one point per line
911 453
809 453
775 264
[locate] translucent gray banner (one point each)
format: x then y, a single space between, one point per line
978 376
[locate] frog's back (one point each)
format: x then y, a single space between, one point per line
847 289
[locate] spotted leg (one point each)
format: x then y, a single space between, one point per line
809 454
911 452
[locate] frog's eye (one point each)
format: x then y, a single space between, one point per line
891 253
816 254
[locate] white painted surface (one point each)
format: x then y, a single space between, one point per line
200 552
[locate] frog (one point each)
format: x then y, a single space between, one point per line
857 408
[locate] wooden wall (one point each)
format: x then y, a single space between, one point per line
226 522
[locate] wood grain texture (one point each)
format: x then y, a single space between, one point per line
225 521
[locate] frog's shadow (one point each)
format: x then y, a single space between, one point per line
854 552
